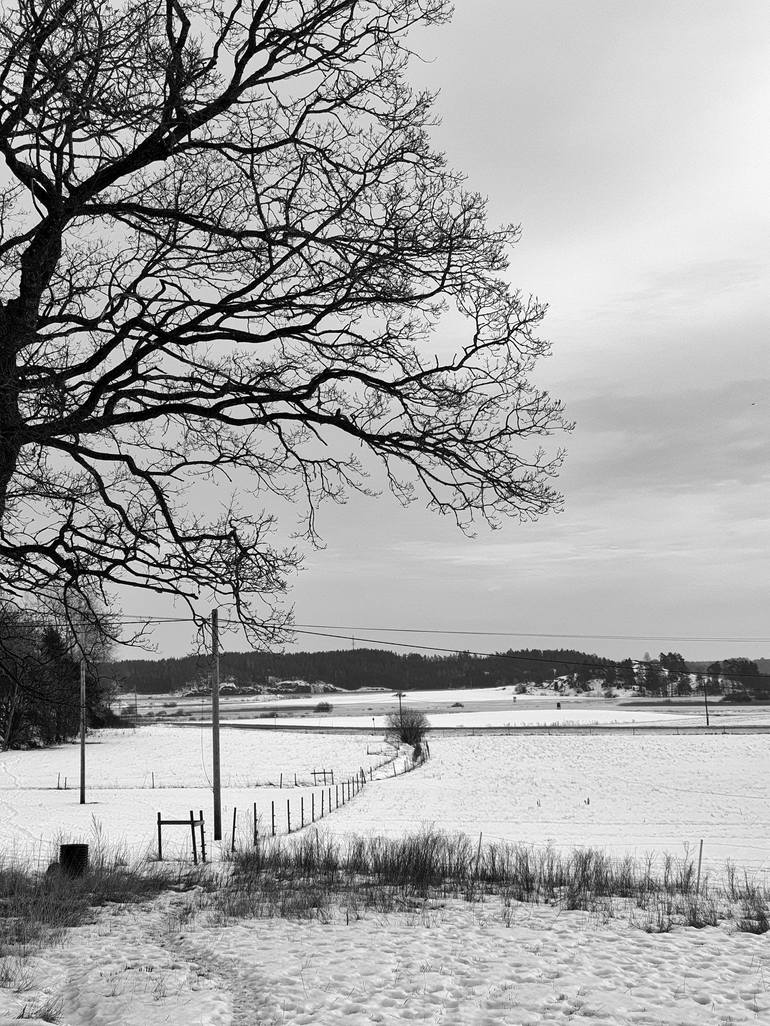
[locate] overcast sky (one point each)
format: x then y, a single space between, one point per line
630 142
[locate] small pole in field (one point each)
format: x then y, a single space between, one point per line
330 799
323 795
203 836
312 807
706 697
232 848
281 783
58 781
336 795
295 779
272 818
288 815
256 836
700 858
302 812
160 840
153 781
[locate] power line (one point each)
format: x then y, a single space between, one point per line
532 634
548 660
136 619
32 619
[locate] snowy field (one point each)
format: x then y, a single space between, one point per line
627 794
449 963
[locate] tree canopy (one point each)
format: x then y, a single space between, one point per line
226 249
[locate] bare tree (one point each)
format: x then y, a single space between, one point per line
225 245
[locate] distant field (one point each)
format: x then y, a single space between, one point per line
477 707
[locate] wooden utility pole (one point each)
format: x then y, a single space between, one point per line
82 730
706 700
215 725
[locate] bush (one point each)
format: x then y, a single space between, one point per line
408 726
323 707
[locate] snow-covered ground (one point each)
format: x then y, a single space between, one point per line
451 963
458 964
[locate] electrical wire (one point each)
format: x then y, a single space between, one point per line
335 633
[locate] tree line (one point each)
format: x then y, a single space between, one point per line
40 684
667 676
370 667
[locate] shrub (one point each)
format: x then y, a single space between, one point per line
408 726
323 707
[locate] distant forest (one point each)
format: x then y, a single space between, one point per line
360 667
669 675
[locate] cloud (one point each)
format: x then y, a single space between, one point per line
692 442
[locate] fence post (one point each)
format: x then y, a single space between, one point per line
323 795
203 837
312 807
232 847
256 837
288 815
160 840
192 831
272 817
337 796
302 812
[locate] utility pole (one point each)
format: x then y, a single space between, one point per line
82 729
706 697
215 724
